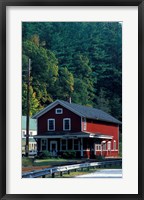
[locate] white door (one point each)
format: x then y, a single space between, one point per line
53 148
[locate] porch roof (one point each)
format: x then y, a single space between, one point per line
68 135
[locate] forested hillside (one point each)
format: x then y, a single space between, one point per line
73 59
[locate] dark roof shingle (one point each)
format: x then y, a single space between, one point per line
91 113
83 111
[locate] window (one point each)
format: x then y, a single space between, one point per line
69 143
51 124
84 124
63 145
23 133
43 144
98 147
104 146
30 133
66 124
109 145
76 144
59 111
114 145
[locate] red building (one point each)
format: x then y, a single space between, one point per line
66 126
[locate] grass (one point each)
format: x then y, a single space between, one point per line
49 161
28 162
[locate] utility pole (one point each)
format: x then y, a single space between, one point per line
28 110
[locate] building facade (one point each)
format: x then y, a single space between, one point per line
32 133
63 126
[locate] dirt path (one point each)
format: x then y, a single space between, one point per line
32 168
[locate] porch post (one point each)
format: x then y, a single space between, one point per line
81 147
47 144
72 144
66 144
60 144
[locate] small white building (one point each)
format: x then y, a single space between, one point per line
32 132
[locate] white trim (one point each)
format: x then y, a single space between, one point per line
56 111
109 145
70 135
52 105
96 135
51 119
114 150
69 124
84 124
49 107
114 145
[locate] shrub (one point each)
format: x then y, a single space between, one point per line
43 154
99 158
26 162
69 154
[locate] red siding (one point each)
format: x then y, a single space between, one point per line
104 128
107 153
75 120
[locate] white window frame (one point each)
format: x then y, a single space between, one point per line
98 147
64 124
56 111
30 133
109 146
114 145
53 124
84 124
23 133
104 147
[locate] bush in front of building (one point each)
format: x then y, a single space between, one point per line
99 158
69 154
43 154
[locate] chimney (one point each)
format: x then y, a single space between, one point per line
69 99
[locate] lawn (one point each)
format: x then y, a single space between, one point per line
28 163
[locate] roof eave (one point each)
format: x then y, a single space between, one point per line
52 105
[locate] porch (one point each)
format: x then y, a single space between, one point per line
84 144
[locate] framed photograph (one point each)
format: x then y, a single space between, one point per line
71 93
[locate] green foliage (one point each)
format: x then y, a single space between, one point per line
82 60
34 102
26 162
69 154
99 158
44 155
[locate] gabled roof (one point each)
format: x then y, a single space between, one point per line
32 124
83 111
